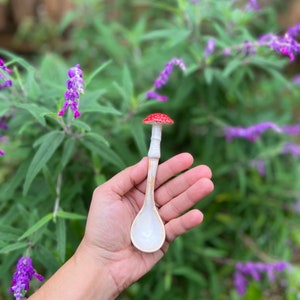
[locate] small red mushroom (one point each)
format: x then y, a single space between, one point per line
157 120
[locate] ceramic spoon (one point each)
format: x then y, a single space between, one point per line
148 230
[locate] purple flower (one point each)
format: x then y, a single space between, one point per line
3 126
226 51
253 5
4 81
284 45
291 129
210 47
240 283
296 206
251 133
294 30
22 277
260 165
74 89
291 148
255 270
296 79
3 67
155 95
163 78
249 48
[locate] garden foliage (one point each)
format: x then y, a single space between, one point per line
236 76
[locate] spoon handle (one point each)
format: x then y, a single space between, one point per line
148 230
152 169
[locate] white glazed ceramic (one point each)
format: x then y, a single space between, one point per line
147 230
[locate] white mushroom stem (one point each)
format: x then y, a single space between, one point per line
154 156
154 149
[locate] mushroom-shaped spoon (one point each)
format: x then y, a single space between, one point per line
148 230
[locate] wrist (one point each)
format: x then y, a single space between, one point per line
95 273
81 277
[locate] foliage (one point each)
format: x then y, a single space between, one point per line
52 164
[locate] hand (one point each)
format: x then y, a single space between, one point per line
116 203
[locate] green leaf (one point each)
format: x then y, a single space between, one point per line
96 72
37 111
67 20
41 157
138 135
189 273
103 151
175 35
42 222
69 215
126 89
81 125
53 70
231 67
4 107
96 107
61 237
31 85
13 247
208 75
68 150
17 59
47 258
97 138
127 82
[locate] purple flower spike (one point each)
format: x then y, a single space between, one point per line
240 283
4 81
251 133
291 129
253 5
3 127
249 48
74 89
156 96
163 78
210 47
294 30
22 277
296 79
291 148
260 165
255 270
3 67
284 45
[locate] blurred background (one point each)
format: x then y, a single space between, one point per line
250 216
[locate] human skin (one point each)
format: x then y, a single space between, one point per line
106 262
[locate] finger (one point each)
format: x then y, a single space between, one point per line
181 225
125 180
181 183
186 200
170 168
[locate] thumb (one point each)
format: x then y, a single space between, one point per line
125 180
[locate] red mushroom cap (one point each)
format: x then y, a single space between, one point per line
158 118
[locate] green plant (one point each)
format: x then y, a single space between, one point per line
52 164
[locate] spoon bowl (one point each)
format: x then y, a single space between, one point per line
148 231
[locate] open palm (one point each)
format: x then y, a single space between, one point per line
116 203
